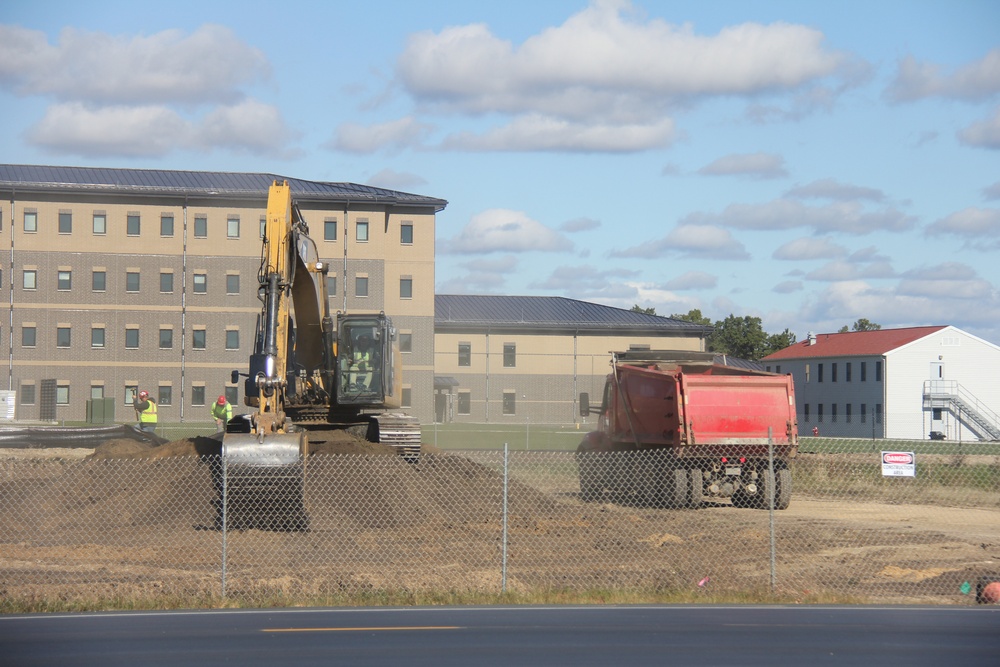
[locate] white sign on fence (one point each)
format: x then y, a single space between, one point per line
8 399
898 464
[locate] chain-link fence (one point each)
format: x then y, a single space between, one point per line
491 521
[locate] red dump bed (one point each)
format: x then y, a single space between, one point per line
684 409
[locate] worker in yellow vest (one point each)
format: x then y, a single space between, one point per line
222 412
145 409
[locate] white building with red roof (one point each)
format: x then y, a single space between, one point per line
914 383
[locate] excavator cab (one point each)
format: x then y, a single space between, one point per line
365 360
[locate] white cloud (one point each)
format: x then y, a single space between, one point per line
832 189
145 131
787 287
976 81
696 241
503 230
809 248
692 280
580 225
97 68
846 217
249 126
582 279
984 134
992 191
979 227
754 165
535 132
392 135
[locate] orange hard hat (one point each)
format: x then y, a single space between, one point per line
143 394
222 400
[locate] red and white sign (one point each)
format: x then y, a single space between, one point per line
899 464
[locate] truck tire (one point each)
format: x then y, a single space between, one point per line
679 486
783 494
590 485
697 482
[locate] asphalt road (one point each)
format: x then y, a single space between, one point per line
514 636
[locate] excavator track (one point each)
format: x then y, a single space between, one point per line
401 432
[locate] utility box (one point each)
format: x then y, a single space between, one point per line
101 411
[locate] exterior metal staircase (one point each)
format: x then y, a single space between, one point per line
968 409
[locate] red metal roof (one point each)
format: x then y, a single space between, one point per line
853 343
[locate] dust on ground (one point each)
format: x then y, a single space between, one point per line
138 520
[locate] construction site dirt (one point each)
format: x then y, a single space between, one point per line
130 520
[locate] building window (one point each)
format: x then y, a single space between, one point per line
331 285
233 283
833 412
166 338
63 336
864 412
131 392
200 283
878 371
65 223
329 230
361 286
27 394
465 403
864 371
99 281
819 412
132 225
100 223
847 413
30 279
362 228
131 338
233 339
165 395
406 342
404 397
509 403
62 394
28 336
263 225
132 281
805 412
878 413
198 339
847 372
406 233
97 337
465 354
233 227
96 391
166 282
30 222
64 280
232 395
819 372
833 372
406 288
509 355
197 396
807 373
200 227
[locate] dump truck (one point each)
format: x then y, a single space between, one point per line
681 429
308 371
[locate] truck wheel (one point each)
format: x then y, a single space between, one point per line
590 488
783 494
680 489
697 482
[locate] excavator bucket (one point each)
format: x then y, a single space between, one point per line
262 482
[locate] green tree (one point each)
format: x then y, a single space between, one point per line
779 341
862 324
694 315
639 309
742 337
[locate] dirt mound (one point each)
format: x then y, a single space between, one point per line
320 442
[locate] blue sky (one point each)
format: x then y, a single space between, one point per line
806 163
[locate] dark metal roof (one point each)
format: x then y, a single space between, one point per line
454 312
38 178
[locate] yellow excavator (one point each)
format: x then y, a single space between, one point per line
309 371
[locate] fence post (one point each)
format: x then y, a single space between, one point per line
503 560
225 525
770 500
